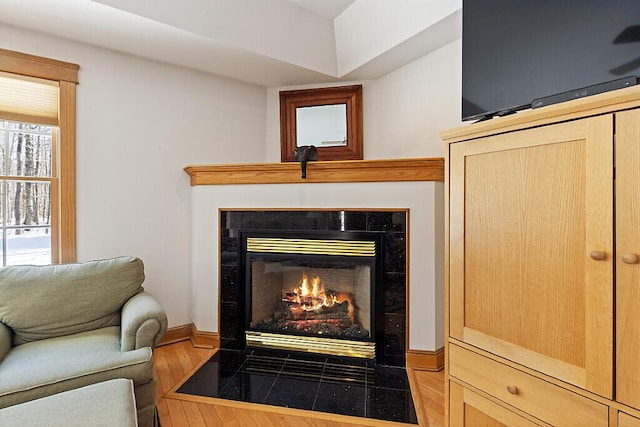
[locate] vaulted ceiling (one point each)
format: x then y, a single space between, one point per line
265 42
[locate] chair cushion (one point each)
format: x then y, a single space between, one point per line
47 367
109 403
40 302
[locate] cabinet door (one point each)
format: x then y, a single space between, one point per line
468 408
627 187
531 245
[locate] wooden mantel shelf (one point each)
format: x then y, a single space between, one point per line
426 169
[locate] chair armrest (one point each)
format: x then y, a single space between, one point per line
5 340
143 322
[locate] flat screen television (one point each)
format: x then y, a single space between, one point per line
519 54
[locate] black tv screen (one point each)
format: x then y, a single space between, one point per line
516 51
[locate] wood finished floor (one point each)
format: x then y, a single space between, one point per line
176 362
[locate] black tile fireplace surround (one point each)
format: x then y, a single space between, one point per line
391 224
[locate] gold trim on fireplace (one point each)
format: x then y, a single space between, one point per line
323 345
312 246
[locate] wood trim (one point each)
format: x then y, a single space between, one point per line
67 174
176 334
407 282
307 416
55 198
398 170
199 339
627 241
607 102
424 360
37 66
599 288
202 339
419 400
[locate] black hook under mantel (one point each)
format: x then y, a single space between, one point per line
304 154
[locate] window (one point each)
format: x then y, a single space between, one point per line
25 192
37 159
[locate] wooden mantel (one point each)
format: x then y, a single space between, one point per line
396 170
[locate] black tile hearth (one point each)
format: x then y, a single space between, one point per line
354 387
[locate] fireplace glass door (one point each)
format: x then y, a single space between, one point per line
314 295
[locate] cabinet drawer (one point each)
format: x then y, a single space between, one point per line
543 400
469 409
626 420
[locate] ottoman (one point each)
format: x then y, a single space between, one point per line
109 403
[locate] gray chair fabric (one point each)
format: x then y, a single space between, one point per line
68 326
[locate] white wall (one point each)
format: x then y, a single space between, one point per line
138 124
403 111
369 29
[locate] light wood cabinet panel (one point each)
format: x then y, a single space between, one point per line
626 420
627 188
531 249
469 409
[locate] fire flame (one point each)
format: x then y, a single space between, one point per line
312 296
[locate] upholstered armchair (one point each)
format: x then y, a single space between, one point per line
70 325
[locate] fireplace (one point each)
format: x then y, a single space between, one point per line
312 291
391 282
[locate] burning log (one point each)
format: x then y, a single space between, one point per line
313 309
337 311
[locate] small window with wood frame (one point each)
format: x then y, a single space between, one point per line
37 159
329 118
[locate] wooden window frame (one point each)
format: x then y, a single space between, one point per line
63 183
351 96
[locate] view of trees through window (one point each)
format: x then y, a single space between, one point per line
26 152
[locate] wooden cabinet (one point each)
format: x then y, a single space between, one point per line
543 240
526 211
627 188
626 420
470 409
544 401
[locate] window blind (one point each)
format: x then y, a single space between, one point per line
28 99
